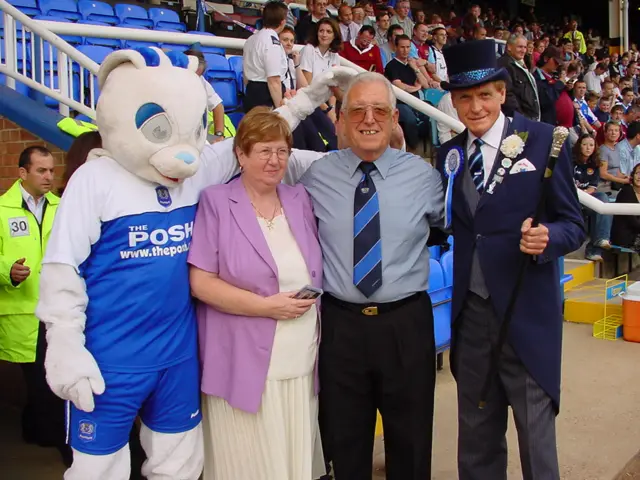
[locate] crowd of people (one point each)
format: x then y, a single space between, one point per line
340 206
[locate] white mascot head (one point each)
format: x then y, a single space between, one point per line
152 113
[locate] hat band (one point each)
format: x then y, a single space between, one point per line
471 76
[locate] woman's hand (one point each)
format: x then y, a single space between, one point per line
282 306
332 116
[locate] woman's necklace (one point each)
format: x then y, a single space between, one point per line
270 222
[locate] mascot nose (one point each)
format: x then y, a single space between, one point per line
186 157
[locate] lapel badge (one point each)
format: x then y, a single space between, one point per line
506 162
501 171
491 187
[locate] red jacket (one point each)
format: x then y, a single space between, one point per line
367 60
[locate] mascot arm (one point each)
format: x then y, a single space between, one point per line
72 372
218 160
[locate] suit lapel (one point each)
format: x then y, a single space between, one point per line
245 217
459 198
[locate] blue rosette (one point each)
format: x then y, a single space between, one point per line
452 167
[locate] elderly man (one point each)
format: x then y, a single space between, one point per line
375 208
522 92
495 176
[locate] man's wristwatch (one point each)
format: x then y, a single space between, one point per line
218 134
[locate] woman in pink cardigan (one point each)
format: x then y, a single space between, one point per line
254 246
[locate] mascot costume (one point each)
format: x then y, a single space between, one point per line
115 297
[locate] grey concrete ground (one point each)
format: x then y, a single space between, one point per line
598 427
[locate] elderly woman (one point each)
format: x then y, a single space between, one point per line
254 247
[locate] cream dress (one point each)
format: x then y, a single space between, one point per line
281 441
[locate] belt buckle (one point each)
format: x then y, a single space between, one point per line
370 310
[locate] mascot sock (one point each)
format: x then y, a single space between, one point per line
172 456
115 466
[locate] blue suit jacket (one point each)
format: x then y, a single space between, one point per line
536 327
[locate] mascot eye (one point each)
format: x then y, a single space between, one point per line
157 129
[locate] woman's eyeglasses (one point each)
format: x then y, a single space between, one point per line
265 154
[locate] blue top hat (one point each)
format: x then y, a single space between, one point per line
470 64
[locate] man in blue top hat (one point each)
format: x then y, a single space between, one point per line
493 172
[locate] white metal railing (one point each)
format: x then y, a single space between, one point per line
72 65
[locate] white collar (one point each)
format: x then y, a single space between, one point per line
353 44
493 136
26 196
403 63
319 53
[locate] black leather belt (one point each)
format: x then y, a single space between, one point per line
370 309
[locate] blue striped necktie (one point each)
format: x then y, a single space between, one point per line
476 166
367 248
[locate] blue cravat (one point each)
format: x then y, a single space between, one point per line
367 248
476 166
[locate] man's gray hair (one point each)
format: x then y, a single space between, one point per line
514 38
369 77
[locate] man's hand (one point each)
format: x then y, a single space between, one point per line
534 239
19 272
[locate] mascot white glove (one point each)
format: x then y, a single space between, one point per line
307 99
72 372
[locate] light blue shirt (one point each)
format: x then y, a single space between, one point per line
411 201
629 156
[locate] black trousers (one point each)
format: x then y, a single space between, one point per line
43 417
382 362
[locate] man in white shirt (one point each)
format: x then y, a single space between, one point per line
446 106
348 28
402 17
265 61
593 78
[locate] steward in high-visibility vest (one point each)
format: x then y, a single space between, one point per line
229 128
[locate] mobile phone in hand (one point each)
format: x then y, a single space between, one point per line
308 293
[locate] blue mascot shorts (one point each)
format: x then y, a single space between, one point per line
168 401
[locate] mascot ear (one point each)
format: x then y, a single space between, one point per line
144 57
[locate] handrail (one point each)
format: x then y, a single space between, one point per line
49 30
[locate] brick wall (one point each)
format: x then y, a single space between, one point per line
14 140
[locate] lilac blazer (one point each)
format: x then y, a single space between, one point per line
235 351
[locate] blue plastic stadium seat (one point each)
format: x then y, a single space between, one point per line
218 64
175 46
446 261
99 41
441 300
97 54
72 39
235 63
97 12
203 49
228 92
133 15
28 7
165 19
436 276
60 8
435 251
235 118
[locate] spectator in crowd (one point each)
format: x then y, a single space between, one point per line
363 52
608 90
586 173
403 72
27 212
420 17
626 149
592 101
383 21
589 58
591 123
402 17
369 13
317 131
627 97
389 48
214 102
629 116
291 18
386 307
359 16
258 343
614 69
348 28
549 85
610 175
576 36
317 11
265 62
320 55
419 40
534 34
625 230
522 92
436 57
479 32
567 49
603 110
593 78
